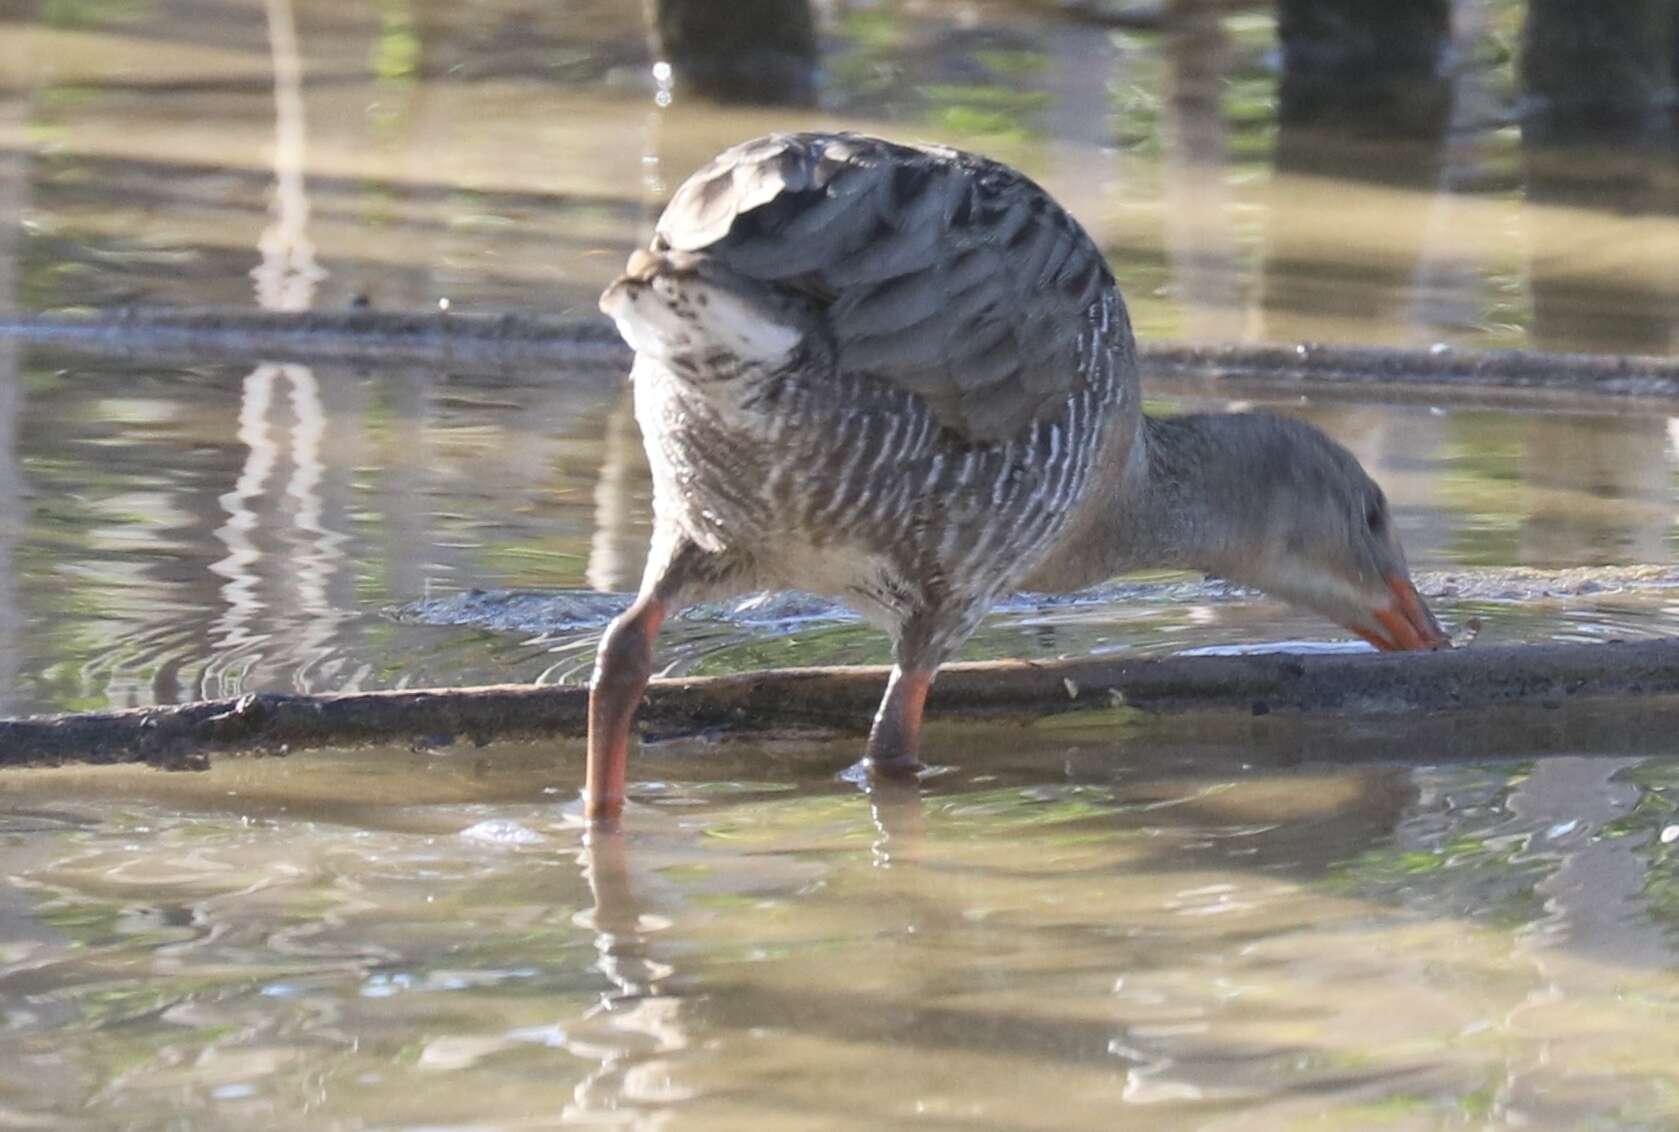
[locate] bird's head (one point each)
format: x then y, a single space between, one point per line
1298 517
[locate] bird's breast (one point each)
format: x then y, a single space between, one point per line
834 484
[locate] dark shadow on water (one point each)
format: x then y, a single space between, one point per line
1365 68
754 51
1598 73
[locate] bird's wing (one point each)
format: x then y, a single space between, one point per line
951 275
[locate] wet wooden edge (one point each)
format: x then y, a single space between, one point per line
198 334
1385 688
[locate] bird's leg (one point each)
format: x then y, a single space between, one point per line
622 668
624 664
895 738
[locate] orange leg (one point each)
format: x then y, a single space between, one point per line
622 668
895 739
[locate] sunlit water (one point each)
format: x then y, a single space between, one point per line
1112 923
1125 924
507 155
167 534
183 534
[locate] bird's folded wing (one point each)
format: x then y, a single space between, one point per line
948 274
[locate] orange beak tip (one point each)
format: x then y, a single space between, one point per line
1405 623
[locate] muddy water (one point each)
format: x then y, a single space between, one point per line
1192 924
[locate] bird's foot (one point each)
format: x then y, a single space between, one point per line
871 769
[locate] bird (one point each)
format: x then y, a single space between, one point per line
903 376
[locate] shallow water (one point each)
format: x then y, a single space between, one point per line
1142 923
169 533
507 156
1199 923
191 533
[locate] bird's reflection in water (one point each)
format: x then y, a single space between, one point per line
641 1019
900 821
640 1026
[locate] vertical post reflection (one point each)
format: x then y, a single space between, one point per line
284 559
287 275
231 635
1079 119
1595 490
1459 245
1362 100
319 561
1600 221
1200 222
619 543
1597 159
1362 121
285 279
14 189
617 548
1598 71
1595 897
759 51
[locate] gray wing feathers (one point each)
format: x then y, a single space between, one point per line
950 275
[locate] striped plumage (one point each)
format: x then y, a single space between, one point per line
963 355
899 375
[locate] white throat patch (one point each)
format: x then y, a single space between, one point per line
686 317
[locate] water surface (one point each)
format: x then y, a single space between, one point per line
1202 923
188 533
168 533
1161 925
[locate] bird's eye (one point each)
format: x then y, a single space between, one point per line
1375 518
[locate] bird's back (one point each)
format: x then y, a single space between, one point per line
944 273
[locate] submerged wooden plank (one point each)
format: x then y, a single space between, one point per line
241 333
589 340
1330 685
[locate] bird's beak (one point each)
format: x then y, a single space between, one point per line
638 273
1403 623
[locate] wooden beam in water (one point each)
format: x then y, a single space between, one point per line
1379 687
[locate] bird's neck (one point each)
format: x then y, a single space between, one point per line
1175 500
1196 493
